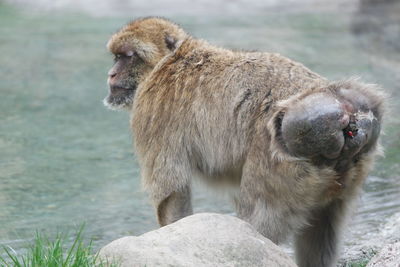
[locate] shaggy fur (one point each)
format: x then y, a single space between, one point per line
203 110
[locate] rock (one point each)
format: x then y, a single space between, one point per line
389 256
204 239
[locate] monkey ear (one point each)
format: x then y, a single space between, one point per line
170 42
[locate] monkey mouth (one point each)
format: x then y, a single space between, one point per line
119 97
119 90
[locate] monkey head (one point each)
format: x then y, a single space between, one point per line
137 48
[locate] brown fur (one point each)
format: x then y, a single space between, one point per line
208 111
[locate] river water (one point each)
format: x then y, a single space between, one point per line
66 160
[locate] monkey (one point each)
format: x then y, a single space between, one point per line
296 146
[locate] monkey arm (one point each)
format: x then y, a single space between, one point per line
174 207
167 180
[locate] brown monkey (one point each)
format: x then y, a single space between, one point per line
297 145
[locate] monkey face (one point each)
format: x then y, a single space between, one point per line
123 79
136 54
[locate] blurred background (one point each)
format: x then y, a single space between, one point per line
66 160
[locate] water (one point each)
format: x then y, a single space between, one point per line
65 159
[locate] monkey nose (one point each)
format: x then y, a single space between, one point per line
112 74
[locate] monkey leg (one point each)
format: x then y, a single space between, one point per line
331 126
267 202
267 220
317 244
174 207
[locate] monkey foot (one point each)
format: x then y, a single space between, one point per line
332 126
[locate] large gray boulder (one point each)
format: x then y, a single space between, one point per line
204 239
389 256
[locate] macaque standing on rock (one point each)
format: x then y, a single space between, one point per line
297 145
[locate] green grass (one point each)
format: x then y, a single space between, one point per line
361 263
44 252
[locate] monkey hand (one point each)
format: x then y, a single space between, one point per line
334 126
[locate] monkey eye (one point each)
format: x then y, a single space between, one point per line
128 54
